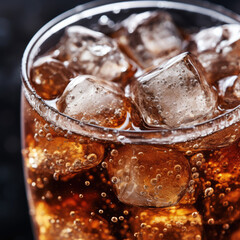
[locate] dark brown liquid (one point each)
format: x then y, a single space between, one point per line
73 199
81 188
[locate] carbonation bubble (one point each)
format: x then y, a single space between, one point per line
208 192
114 219
149 178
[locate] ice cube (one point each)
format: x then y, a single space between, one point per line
57 222
175 94
90 52
150 36
180 223
49 77
229 91
60 159
218 50
149 176
94 101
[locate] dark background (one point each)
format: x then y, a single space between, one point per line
19 20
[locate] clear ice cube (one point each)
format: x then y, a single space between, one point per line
180 223
58 223
94 101
150 36
176 94
149 176
218 50
49 77
91 52
229 91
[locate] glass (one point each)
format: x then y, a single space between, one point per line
79 176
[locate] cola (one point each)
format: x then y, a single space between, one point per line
127 137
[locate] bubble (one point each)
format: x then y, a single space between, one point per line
226 226
177 168
221 195
72 213
153 181
121 218
188 152
39 183
87 183
194 169
225 203
125 212
56 176
208 192
46 127
80 195
114 219
36 137
178 176
77 222
103 194
49 136
195 175
114 152
114 180
195 214
160 235
210 221
143 225
92 157
104 165
41 133
230 208
198 237
100 211
48 195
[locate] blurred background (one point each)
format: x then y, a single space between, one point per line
19 20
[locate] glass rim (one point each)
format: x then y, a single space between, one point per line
153 136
